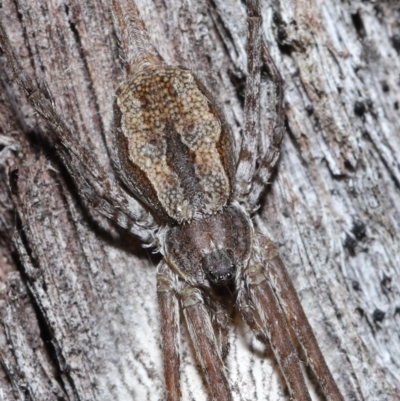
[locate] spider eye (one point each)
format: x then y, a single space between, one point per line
220 278
219 267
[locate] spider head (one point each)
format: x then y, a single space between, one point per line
219 266
210 248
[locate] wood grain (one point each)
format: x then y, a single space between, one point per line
78 297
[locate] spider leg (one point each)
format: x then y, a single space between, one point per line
98 189
246 309
257 159
258 289
100 203
222 322
269 154
202 334
169 311
295 314
137 50
249 148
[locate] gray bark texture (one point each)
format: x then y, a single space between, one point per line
78 308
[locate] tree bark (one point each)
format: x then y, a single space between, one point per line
77 295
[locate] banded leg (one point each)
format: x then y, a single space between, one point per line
101 191
169 311
202 334
109 208
137 50
269 153
249 148
257 159
274 325
222 322
298 320
246 309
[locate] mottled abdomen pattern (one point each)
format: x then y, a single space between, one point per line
174 143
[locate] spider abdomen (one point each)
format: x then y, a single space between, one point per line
173 143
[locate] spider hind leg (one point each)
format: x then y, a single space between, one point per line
96 187
259 156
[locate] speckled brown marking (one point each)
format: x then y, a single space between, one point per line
174 141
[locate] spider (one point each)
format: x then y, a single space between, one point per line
193 200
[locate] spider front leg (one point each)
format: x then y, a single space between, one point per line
258 290
222 322
209 353
294 312
205 344
266 267
169 313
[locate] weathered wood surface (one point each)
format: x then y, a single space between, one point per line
78 303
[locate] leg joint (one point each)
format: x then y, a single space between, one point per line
190 297
255 274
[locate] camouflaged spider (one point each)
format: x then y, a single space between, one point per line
175 152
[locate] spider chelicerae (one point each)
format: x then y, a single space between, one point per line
175 153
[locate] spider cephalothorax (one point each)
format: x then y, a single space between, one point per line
175 153
213 247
